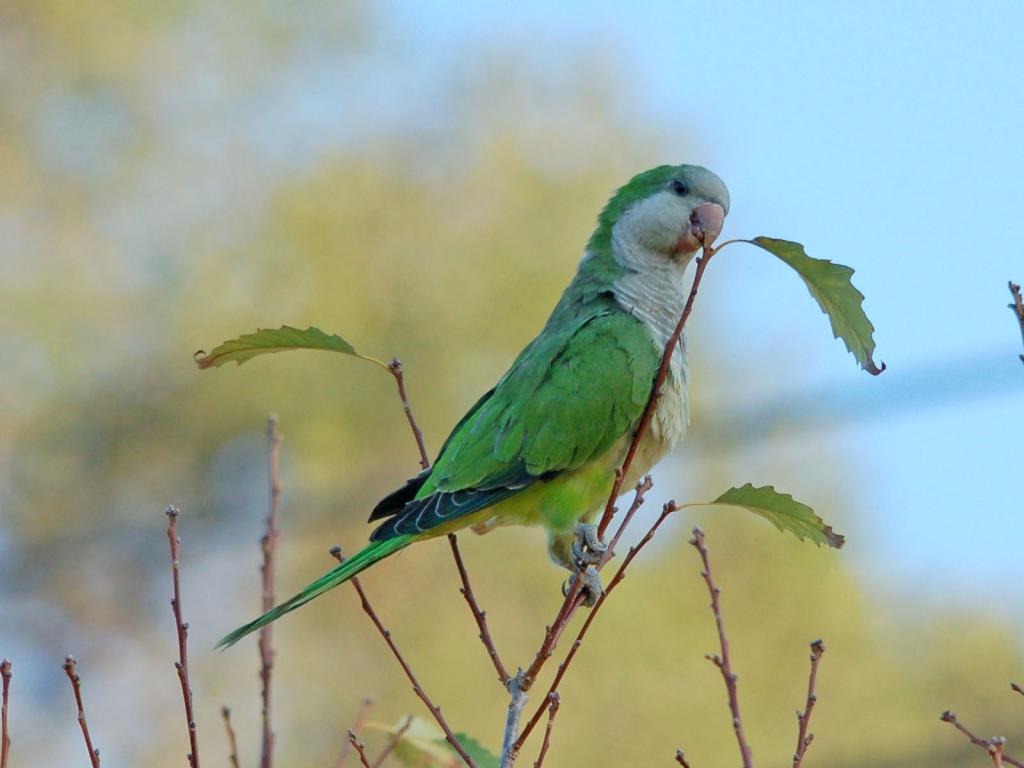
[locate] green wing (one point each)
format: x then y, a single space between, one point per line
565 401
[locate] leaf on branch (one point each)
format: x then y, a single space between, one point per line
423 745
783 511
267 341
480 754
830 285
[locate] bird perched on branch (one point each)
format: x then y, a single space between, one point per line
542 446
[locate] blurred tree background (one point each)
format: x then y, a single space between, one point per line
171 178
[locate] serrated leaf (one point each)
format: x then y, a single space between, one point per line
831 286
783 511
267 341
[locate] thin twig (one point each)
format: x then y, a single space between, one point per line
395 366
574 598
1017 688
5 736
225 713
268 544
479 615
357 726
553 703
620 574
396 737
723 662
359 748
182 627
416 687
804 739
76 687
989 745
681 758
1018 309
656 391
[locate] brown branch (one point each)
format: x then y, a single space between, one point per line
1017 688
395 366
416 687
268 545
993 746
656 391
396 737
225 713
357 726
723 662
76 687
804 739
1018 309
553 703
359 748
182 627
681 758
5 736
574 597
620 574
479 615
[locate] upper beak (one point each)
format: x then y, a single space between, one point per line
706 222
704 226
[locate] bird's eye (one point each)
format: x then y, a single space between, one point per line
678 188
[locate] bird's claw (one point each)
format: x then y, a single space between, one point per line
591 588
588 549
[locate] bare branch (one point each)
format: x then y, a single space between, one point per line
392 743
620 574
681 758
723 662
395 366
993 746
416 687
1017 688
357 726
5 735
480 616
268 544
229 729
76 688
182 627
1018 309
656 390
804 739
553 703
359 748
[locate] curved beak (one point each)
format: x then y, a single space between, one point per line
704 226
706 222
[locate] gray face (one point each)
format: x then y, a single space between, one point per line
680 218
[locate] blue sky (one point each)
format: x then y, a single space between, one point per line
886 136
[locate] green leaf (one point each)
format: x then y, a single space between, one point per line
831 287
422 744
783 511
483 757
267 341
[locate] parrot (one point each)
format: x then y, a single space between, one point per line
543 445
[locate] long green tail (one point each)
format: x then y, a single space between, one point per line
373 553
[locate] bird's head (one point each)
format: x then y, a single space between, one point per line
672 210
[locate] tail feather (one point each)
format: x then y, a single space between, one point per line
356 564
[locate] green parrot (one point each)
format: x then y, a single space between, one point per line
542 446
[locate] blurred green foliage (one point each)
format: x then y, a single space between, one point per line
151 204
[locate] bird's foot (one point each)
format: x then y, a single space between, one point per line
588 549
591 587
